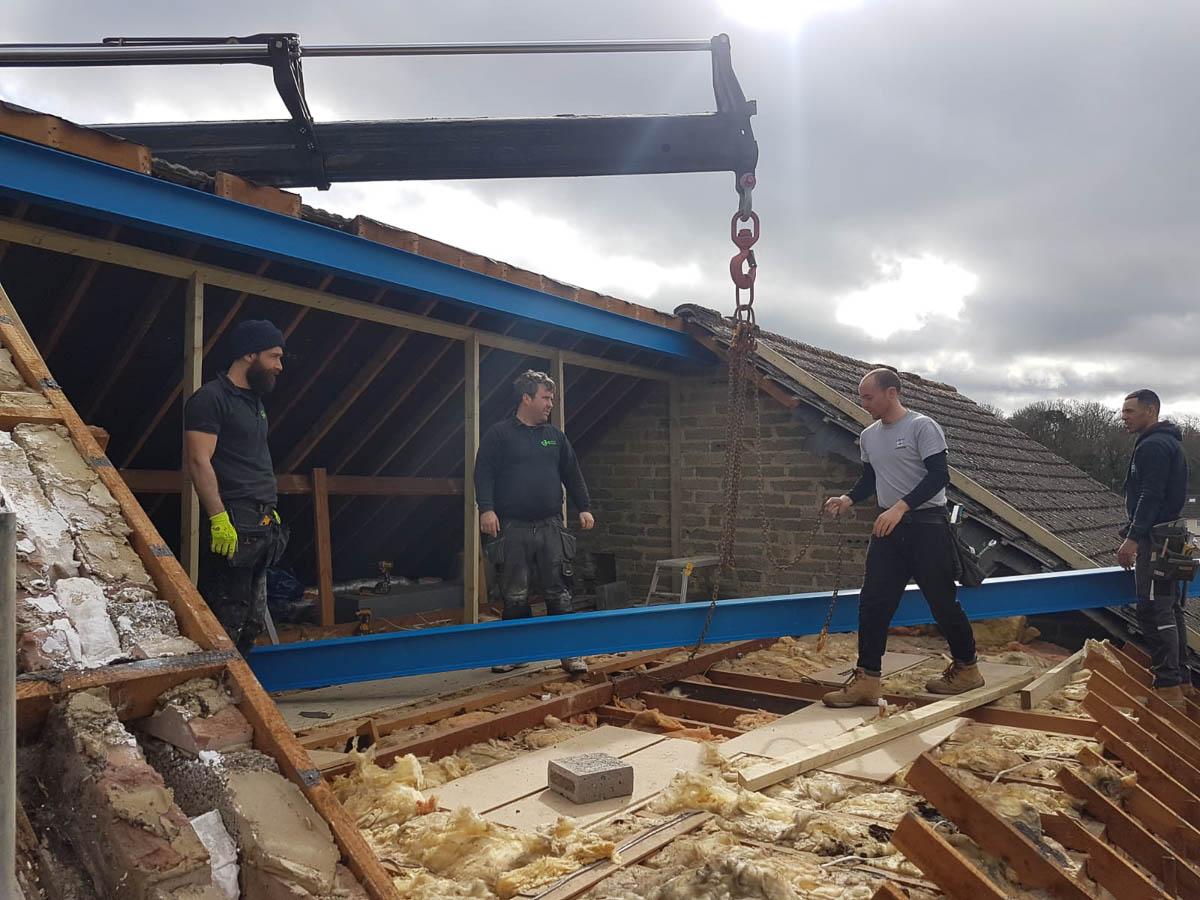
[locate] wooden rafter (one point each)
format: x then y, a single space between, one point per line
65 313
165 407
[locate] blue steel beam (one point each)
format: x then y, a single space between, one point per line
46 176
312 664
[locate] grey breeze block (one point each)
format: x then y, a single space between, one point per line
590 777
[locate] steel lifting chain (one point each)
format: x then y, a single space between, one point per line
742 365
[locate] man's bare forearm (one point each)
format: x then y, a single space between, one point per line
204 480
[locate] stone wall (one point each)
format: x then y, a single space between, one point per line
628 475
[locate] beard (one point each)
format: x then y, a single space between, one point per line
260 379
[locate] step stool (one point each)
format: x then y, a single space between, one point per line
685 566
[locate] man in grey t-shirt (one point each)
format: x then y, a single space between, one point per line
904 465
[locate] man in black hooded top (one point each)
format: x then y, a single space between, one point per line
1155 491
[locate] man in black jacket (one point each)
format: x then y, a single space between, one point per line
520 470
1155 491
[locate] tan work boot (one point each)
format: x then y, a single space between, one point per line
861 690
957 679
1172 694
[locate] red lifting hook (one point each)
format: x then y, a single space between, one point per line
743 268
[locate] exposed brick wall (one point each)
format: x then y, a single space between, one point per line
628 475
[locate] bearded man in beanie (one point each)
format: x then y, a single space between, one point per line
226 454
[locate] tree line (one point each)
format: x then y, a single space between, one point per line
1090 435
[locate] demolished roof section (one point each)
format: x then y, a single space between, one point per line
1053 492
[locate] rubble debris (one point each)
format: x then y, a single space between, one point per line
197 716
87 608
45 550
127 831
71 485
222 854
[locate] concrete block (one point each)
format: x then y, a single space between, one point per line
590 777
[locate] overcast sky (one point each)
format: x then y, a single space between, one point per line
999 194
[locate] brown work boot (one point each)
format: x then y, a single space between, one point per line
1189 691
957 679
861 690
1172 694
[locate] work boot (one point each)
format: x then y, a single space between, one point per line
509 667
861 690
1172 694
1189 691
957 679
576 665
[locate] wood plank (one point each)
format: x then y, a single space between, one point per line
632 851
797 730
193 361
320 490
128 255
889 891
1054 679
513 779
883 762
1037 532
618 715
941 862
1158 818
892 663
871 735
471 537
778 704
700 710
1134 734
1034 721
1179 719
12 416
1133 666
445 741
991 831
653 769
1110 870
1123 831
1162 729
1153 777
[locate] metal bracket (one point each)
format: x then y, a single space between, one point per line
309 777
732 102
100 462
49 384
5 320
160 550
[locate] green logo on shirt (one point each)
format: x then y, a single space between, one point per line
549 443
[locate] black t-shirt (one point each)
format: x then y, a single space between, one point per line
521 469
242 460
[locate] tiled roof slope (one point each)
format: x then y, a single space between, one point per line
1019 470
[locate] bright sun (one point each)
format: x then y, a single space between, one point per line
782 15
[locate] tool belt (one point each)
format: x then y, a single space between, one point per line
1173 553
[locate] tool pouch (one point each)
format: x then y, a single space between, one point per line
1173 553
967 568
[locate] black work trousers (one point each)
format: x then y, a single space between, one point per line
236 589
1160 615
922 551
543 548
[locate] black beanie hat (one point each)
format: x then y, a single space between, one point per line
253 336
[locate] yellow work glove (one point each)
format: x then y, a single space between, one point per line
224 535
275 513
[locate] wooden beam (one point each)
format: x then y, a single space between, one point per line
320 490
11 416
1151 776
697 710
1051 680
941 862
1123 831
1152 812
1181 721
991 831
889 891
871 735
1135 734
169 481
193 361
1035 531
65 313
618 715
1108 869
632 851
127 255
167 404
1147 718
471 538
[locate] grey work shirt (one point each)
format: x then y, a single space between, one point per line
897 453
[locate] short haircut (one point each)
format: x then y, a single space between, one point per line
1146 399
885 378
529 382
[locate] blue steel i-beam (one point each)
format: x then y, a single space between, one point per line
47 176
312 664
